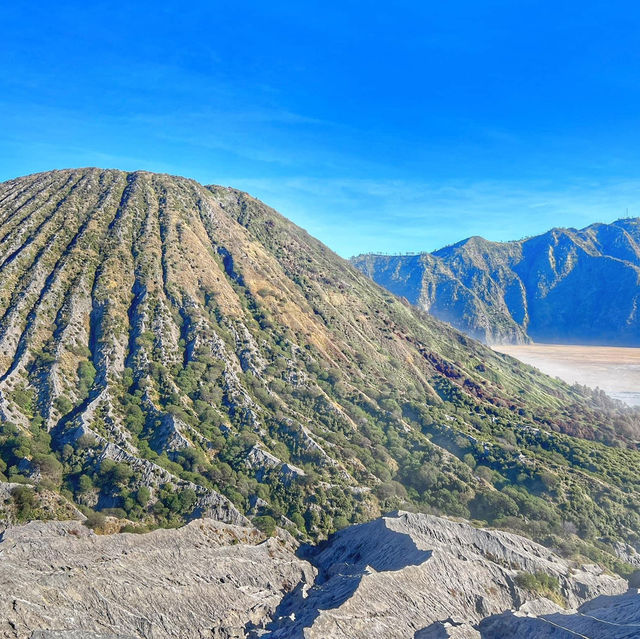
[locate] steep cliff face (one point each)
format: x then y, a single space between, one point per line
169 350
400 576
565 286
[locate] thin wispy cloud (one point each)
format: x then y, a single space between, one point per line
376 132
353 216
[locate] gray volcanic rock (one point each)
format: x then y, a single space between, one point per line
613 617
408 575
74 634
207 579
404 575
567 285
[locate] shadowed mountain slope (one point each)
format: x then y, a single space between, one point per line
169 350
566 286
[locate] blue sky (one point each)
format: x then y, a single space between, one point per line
376 126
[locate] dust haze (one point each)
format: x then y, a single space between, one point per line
615 370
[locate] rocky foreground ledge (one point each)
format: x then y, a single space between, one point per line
400 576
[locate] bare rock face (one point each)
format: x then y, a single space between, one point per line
613 617
404 575
409 574
73 634
207 579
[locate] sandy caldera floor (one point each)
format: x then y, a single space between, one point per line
615 370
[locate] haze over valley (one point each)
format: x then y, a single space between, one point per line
615 370
554 301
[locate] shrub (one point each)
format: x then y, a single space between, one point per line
541 584
95 520
86 377
85 484
49 467
143 494
298 520
86 441
63 404
112 473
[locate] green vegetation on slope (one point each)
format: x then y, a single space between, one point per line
166 347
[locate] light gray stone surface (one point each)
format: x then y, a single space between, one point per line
207 579
406 574
403 575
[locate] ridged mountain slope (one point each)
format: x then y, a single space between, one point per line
565 286
169 350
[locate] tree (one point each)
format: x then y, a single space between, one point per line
63 404
143 495
86 377
266 524
187 500
298 520
469 460
67 452
49 467
112 473
85 484
494 505
121 473
485 473
24 499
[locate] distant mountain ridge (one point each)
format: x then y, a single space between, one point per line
564 286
